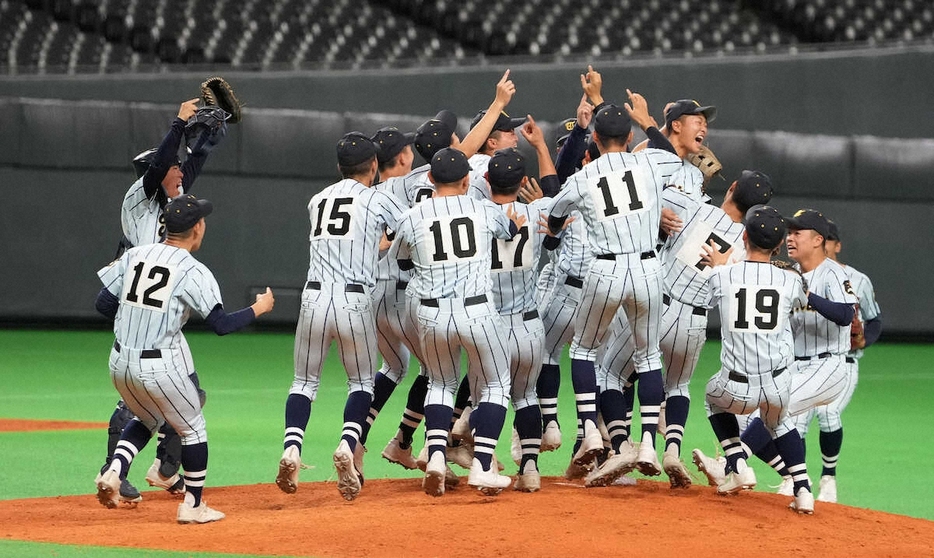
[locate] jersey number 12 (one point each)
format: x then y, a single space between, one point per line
150 286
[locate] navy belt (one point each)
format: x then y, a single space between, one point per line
530 315
146 353
696 310
574 282
821 355
348 288
469 301
643 256
850 360
743 379
401 285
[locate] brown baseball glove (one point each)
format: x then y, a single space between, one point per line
706 161
216 92
857 335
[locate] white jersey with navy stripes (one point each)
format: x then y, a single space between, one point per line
479 164
689 180
619 197
347 221
141 217
387 269
868 307
449 241
815 334
158 286
417 187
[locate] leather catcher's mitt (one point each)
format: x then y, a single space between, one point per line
706 161
782 264
216 92
857 335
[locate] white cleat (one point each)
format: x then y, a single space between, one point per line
678 474
291 462
489 482
803 502
787 487
713 468
174 484
515 447
828 489
647 462
461 455
394 453
591 445
433 482
744 478
199 514
616 465
529 479
348 479
460 430
551 437
108 488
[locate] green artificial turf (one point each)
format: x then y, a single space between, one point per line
63 375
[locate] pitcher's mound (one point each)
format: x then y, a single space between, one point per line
393 517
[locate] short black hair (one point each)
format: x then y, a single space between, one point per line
356 170
505 190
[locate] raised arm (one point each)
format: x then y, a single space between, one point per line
474 140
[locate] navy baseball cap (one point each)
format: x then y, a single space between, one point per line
833 233
688 106
142 161
506 168
449 165
184 212
612 122
503 123
752 188
810 219
355 148
435 134
391 142
765 226
564 130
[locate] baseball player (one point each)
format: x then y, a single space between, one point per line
685 127
150 292
448 241
755 301
160 178
514 269
619 198
829 416
821 335
347 219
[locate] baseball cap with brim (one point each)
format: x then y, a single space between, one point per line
506 168
355 148
688 106
833 233
449 165
391 142
503 122
184 212
612 122
564 130
810 219
765 226
435 134
752 188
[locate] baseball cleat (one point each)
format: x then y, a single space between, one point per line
461 455
828 489
529 479
551 437
198 514
488 482
713 468
515 447
616 465
287 479
803 502
744 478
433 481
348 479
451 480
422 460
575 471
625 481
786 488
647 462
460 430
108 488
394 453
175 484
677 473
591 445
358 460
129 494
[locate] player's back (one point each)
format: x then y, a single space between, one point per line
140 217
347 222
619 197
515 262
158 286
449 240
755 301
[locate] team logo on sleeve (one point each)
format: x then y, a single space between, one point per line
849 288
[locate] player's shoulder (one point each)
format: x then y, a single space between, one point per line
660 156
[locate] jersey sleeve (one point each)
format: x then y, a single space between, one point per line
838 287
497 220
678 201
665 163
200 291
111 275
567 199
714 283
390 209
400 247
799 299
868 307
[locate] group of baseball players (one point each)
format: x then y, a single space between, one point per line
615 250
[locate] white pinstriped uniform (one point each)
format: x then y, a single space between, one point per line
514 273
143 222
829 416
449 240
619 197
756 300
823 377
559 287
158 287
347 221
417 187
479 164
684 324
396 332
689 180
